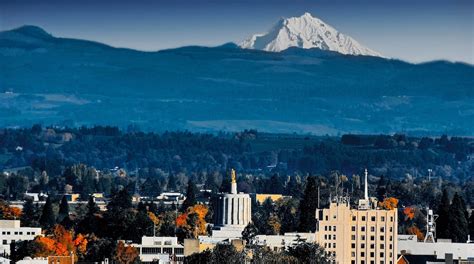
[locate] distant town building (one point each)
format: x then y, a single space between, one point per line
160 250
171 198
366 235
283 242
10 230
261 197
233 212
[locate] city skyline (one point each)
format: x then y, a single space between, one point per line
415 32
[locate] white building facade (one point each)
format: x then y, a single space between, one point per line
160 250
11 230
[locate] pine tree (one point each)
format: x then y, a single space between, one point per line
458 225
308 206
29 215
471 226
63 210
48 218
171 183
190 196
442 223
92 207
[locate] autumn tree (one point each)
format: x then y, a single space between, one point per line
192 223
125 254
8 212
389 203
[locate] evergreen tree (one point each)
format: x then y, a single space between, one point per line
458 224
308 206
471 226
190 196
171 183
63 214
29 216
92 207
442 223
48 218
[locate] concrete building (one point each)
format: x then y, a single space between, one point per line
233 212
10 230
442 250
282 242
160 250
365 235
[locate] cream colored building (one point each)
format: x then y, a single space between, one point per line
366 235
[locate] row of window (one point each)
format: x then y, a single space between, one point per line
371 262
371 254
157 250
372 218
372 246
18 233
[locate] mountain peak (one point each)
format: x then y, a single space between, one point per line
32 31
306 32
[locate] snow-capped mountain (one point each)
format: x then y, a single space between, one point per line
306 32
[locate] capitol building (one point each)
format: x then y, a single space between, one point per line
233 212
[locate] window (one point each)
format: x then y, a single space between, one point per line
329 245
391 218
167 250
381 254
372 254
372 229
353 262
325 237
382 229
354 218
327 218
372 219
353 228
362 262
390 246
326 228
5 242
362 228
382 246
333 245
382 238
362 237
179 251
334 228
383 218
362 254
362 245
390 229
372 238
353 245
363 218
391 238
372 262
334 237
329 228
372 246
353 254
16 233
353 237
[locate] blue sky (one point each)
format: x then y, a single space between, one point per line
415 31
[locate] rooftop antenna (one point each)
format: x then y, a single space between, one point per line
366 188
430 226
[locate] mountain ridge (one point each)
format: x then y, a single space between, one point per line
78 82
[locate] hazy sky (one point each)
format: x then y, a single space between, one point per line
407 29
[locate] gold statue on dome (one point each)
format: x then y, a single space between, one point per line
232 174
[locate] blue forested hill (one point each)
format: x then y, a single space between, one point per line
67 81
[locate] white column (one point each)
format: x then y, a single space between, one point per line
229 211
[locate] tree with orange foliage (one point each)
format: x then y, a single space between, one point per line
413 230
125 254
60 243
409 213
192 222
389 203
9 213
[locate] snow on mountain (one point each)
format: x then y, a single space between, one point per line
306 32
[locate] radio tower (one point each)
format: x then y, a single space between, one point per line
430 226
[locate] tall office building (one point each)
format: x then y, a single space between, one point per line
363 235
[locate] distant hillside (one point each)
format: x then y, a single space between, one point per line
75 82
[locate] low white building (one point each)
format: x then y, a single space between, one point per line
29 260
10 230
160 250
282 242
4 260
409 245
